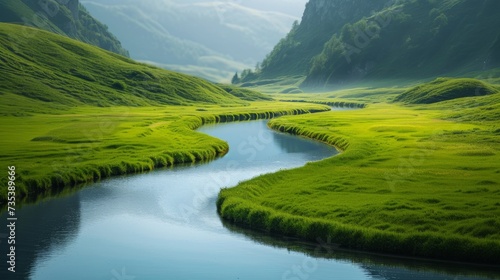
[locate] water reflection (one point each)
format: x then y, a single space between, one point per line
164 225
375 267
283 140
48 226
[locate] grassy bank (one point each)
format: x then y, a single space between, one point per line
421 181
72 113
85 144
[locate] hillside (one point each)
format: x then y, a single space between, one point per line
444 89
82 113
52 71
321 20
340 43
209 39
67 18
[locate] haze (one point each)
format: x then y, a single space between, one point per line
290 7
211 39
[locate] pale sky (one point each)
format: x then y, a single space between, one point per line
291 7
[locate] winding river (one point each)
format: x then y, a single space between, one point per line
164 225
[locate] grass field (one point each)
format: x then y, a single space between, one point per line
419 180
414 179
72 113
44 72
84 144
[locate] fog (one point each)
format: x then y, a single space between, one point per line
210 39
290 7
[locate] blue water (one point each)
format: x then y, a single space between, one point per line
164 225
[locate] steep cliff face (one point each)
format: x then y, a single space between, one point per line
336 13
321 20
73 6
64 17
70 26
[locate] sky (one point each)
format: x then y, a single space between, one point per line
291 7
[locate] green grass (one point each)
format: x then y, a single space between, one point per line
72 113
68 147
57 17
57 71
418 180
245 94
422 181
443 89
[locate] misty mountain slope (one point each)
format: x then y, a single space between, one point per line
340 41
321 20
417 40
212 39
64 17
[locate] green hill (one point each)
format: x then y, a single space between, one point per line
443 89
245 94
54 71
81 113
68 18
341 42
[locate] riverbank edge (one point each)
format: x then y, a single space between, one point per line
246 214
340 104
31 190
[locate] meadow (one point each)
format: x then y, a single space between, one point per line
72 113
53 151
417 177
416 180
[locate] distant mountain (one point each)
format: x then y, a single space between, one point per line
321 20
344 41
211 39
52 71
64 17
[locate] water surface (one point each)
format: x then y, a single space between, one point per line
164 225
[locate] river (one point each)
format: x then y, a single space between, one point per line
164 225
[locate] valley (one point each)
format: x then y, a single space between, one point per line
365 145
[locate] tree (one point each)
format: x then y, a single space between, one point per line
235 79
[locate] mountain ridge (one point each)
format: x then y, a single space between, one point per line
376 40
63 17
210 39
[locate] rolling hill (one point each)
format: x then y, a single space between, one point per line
66 17
52 71
443 89
74 113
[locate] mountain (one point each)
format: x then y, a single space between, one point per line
345 41
64 17
211 39
321 20
52 71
